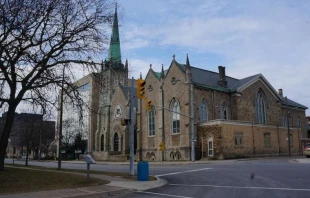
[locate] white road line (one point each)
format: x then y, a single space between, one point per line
167 195
175 173
243 187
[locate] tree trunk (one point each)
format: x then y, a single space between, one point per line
9 120
27 150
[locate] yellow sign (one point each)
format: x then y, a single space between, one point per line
161 146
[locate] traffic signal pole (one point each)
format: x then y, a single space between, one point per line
131 130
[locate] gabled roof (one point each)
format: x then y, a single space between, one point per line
292 103
158 74
244 81
210 79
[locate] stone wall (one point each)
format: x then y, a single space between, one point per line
247 104
253 139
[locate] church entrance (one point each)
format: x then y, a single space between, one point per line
116 142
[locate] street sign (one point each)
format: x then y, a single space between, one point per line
161 146
89 159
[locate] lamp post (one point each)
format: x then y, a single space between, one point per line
191 88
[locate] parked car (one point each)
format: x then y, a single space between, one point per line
307 150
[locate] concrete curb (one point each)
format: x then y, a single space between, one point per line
104 194
139 185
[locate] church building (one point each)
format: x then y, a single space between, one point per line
219 116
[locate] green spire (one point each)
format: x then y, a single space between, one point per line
115 48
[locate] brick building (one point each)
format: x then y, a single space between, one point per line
233 117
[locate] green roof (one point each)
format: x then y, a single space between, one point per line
115 47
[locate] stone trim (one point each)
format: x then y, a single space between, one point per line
243 123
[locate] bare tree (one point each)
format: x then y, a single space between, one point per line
38 38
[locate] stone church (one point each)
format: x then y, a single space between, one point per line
232 117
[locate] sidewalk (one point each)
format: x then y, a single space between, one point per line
156 163
116 186
201 161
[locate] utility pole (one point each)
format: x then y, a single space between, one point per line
60 118
163 120
288 129
131 130
192 122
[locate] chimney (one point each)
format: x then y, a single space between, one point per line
280 92
222 77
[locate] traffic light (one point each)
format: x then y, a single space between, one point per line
148 105
140 88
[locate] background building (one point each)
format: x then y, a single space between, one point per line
30 132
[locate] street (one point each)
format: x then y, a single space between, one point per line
279 177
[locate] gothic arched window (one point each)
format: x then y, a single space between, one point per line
260 107
298 122
203 111
224 114
102 142
151 121
175 107
116 142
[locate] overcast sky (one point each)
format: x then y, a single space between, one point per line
270 37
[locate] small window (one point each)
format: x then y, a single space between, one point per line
223 111
238 139
298 122
284 121
203 111
175 107
291 140
267 141
151 121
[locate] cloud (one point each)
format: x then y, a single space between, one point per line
268 37
137 66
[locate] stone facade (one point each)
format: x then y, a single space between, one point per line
241 113
257 140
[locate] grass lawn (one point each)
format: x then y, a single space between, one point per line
15 180
113 174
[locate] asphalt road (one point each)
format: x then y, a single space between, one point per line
265 178
257 178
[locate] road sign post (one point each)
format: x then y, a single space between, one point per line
89 160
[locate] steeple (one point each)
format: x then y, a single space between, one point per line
126 65
115 48
188 66
162 73
188 70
